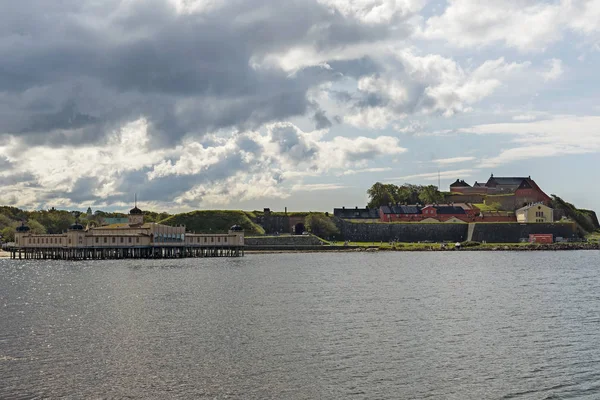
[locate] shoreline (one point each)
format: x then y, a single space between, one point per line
414 248
427 248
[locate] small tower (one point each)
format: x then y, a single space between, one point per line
136 216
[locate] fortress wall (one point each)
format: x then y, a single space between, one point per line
408 232
295 240
418 232
513 232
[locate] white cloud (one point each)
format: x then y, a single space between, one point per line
375 11
219 170
454 160
521 24
555 70
560 135
365 170
316 187
433 176
426 84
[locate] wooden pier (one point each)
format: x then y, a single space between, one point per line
117 253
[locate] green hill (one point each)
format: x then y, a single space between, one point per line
215 221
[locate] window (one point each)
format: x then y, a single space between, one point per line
212 239
129 240
105 240
114 239
97 239
121 240
219 239
69 240
137 239
225 240
80 239
204 240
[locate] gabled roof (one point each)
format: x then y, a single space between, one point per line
356 213
527 207
401 209
450 210
460 183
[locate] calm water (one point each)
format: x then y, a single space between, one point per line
304 326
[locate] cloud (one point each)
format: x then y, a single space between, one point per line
556 136
425 84
75 71
555 70
316 187
365 170
433 176
454 160
216 171
522 24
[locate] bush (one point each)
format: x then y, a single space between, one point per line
470 244
321 225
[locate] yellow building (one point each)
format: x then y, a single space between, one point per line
134 239
537 212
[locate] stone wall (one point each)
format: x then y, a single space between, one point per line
513 232
287 240
279 223
407 232
419 232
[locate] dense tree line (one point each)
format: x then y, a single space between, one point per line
381 194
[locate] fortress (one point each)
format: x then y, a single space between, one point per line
511 193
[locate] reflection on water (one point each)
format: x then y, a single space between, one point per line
390 325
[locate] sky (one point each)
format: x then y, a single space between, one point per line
304 104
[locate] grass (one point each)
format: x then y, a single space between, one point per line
214 221
437 246
594 236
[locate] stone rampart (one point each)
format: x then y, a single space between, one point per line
403 232
513 232
418 232
286 240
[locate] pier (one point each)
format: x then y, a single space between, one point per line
118 253
134 239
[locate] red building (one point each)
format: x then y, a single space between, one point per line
440 212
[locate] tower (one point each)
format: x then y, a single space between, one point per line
136 216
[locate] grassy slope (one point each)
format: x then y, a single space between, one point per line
214 221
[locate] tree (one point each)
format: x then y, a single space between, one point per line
321 225
36 227
8 234
381 194
430 194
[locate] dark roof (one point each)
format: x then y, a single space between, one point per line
460 183
76 227
505 181
401 209
23 228
236 228
450 210
135 211
356 213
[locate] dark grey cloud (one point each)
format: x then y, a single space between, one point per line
321 121
70 71
292 145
